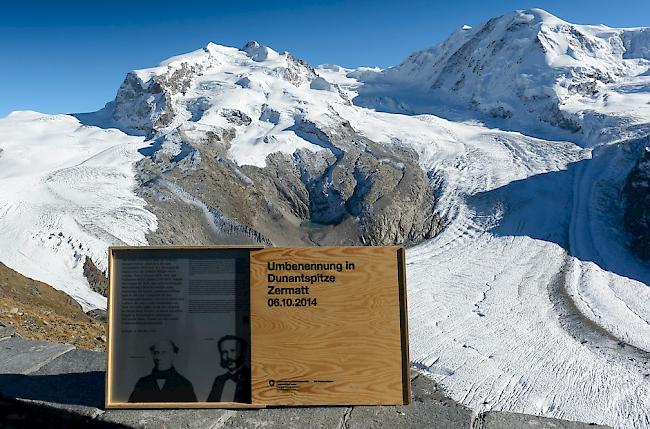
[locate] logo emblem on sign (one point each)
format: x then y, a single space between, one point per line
271 383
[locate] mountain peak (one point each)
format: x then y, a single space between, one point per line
205 86
539 15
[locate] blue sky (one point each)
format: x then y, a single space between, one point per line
71 57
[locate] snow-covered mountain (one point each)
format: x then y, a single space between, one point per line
527 70
263 129
514 198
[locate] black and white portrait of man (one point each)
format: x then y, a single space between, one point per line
235 384
164 384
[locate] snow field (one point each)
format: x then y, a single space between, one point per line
66 192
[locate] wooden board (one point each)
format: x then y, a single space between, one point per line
342 342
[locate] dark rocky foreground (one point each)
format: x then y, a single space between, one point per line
48 385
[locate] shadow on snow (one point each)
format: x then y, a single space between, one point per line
541 207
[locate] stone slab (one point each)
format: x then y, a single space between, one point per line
504 420
18 414
75 361
167 419
72 382
429 408
21 356
289 418
64 384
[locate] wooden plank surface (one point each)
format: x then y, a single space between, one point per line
339 344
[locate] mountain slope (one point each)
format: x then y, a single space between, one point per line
530 71
40 312
66 193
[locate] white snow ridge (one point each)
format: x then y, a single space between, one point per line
529 299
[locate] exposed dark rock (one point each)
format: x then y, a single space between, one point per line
6 331
637 205
136 104
236 117
98 314
356 191
96 279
